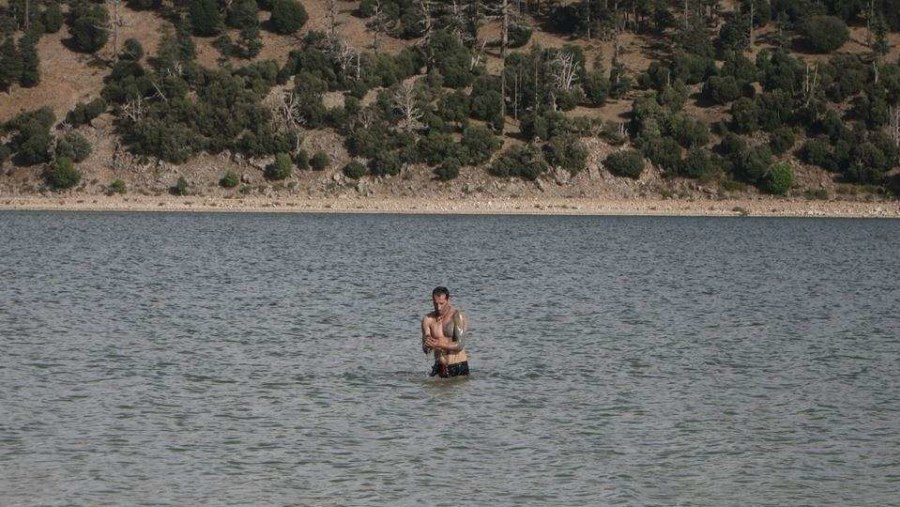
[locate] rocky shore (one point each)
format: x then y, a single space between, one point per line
762 206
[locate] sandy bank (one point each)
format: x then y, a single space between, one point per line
523 206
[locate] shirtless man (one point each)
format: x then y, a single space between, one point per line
443 332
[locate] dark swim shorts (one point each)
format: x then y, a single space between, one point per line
450 370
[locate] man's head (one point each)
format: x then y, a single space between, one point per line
440 297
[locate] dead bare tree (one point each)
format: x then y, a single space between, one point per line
565 70
406 102
332 17
378 24
346 55
286 114
894 124
134 109
810 83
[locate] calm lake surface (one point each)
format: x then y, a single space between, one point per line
252 359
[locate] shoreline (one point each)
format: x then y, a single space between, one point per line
771 207
469 206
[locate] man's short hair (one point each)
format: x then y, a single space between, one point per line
441 291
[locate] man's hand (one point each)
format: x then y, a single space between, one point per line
432 343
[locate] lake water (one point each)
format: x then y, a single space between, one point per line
253 359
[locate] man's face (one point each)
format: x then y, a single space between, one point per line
440 302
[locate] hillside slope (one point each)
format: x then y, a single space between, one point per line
68 78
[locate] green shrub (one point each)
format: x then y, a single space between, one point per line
722 89
319 161
754 164
665 152
52 17
288 16
62 174
132 50
367 8
519 35
385 163
744 116
817 152
229 180
455 60
435 147
480 144
279 169
596 86
31 72
205 18
781 140
698 163
88 29
779 178
447 170
687 131
824 34
180 188
301 160
354 169
524 162
116 187
627 163
568 152
73 146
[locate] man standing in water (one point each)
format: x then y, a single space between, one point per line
443 332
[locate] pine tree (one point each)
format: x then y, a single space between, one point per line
31 72
89 30
10 63
206 20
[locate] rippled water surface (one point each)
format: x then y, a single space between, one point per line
194 359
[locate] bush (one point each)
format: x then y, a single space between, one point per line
744 115
435 147
779 178
568 152
301 160
688 132
824 34
354 169
519 35
180 188
116 187
62 174
88 28
699 164
132 50
385 163
722 89
205 18
524 162
665 152
596 86
781 140
319 161
229 180
480 144
288 16
627 163
52 18
818 152
73 146
281 168
448 170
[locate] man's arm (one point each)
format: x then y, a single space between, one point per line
457 341
426 335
